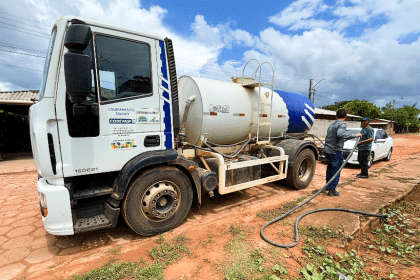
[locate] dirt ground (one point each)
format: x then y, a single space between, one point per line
28 252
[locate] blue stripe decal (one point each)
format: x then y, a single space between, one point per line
165 94
163 58
299 114
166 106
167 122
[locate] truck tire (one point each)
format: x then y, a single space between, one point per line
301 173
157 201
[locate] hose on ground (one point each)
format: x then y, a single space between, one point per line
315 211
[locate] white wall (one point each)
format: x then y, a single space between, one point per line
320 127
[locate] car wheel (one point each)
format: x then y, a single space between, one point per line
388 157
370 159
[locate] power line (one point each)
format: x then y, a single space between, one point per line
24 23
23 58
22 68
42 33
25 32
43 57
23 18
22 48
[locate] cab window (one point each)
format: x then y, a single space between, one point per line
123 68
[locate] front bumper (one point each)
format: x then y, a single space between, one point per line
59 220
353 158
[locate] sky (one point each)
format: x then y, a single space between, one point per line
354 49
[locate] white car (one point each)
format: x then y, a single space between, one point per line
382 146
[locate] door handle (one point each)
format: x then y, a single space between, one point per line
152 141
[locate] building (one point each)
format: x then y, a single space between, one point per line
386 125
323 119
14 125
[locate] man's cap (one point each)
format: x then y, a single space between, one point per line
366 119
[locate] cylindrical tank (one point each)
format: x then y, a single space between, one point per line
228 112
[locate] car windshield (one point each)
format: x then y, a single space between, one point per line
353 131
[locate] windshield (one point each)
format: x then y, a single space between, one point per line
47 65
353 131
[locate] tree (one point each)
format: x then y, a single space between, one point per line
405 116
363 108
336 105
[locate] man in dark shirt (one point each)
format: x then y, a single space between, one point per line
334 141
365 148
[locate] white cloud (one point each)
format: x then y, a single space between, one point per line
371 64
5 86
300 15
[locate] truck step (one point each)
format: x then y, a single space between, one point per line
92 191
90 223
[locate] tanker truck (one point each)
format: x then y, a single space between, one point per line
116 134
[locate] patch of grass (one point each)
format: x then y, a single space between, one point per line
244 260
274 213
322 264
115 251
321 235
380 171
346 183
402 180
112 271
398 238
208 241
167 252
332 266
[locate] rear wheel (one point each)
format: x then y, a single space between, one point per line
301 173
157 201
388 156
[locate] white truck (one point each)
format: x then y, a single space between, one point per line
115 133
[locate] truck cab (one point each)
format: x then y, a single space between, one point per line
116 105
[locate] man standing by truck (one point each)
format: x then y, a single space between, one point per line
365 145
334 141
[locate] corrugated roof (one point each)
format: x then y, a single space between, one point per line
18 96
331 113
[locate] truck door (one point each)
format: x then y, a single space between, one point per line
125 89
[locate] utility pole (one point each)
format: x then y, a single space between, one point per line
310 90
393 108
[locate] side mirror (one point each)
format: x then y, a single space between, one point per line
77 68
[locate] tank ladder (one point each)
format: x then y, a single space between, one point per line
263 119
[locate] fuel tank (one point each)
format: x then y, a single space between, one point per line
227 113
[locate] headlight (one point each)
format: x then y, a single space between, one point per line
42 199
43 204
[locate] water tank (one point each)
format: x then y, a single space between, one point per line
228 112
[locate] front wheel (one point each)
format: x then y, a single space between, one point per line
301 173
370 159
157 201
388 156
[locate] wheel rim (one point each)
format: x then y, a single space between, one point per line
160 201
370 159
304 169
389 155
